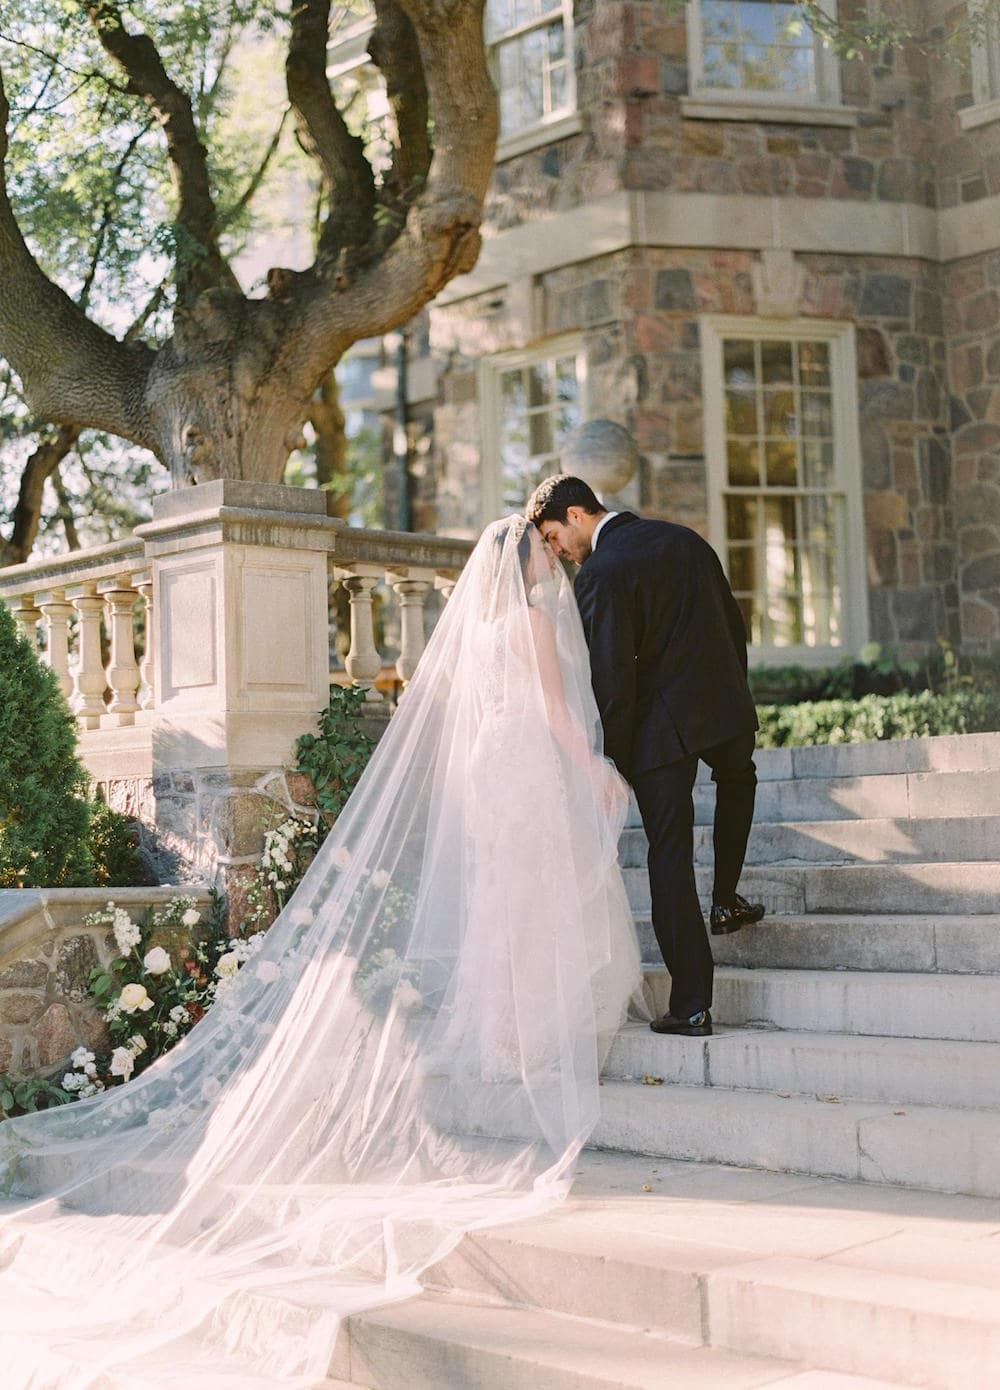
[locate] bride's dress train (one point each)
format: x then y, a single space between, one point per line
414 1053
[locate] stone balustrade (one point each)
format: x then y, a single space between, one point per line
195 652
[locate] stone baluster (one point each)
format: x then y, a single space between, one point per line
411 589
143 583
89 681
57 613
26 617
122 670
363 661
445 585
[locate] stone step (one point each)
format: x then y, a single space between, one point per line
888 1004
895 795
944 753
938 1148
830 1066
866 841
668 1246
915 942
434 1343
964 888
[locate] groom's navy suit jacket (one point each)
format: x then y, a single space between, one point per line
668 653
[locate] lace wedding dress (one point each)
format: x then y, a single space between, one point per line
414 1053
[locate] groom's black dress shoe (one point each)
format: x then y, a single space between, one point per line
731 916
697 1026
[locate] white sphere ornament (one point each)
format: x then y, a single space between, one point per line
602 453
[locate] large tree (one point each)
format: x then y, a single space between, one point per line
225 391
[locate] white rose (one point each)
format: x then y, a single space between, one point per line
302 916
268 971
137 1044
379 878
134 997
191 918
210 1088
227 964
156 961
341 858
122 1063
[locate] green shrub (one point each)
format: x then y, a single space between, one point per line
114 849
876 671
44 812
874 717
335 758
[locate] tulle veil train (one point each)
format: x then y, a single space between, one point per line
414 1053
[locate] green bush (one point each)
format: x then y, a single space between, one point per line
903 715
114 849
876 671
44 812
335 758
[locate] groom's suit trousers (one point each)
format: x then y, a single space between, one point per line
666 805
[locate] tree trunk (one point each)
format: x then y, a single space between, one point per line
327 418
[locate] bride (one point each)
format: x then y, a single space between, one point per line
414 1053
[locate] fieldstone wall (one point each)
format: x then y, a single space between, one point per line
972 299
639 314
46 956
632 72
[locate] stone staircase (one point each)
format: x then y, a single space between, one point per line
808 1199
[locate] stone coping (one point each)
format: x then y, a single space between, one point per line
943 753
56 571
33 910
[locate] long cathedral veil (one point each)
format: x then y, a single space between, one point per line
414 1052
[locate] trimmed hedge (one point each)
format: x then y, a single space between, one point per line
874 717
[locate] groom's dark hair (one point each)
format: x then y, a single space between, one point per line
552 499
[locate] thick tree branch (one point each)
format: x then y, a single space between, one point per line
200 264
46 458
348 179
441 237
72 371
395 51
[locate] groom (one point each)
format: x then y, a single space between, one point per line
668 660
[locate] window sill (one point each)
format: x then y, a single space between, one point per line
539 135
744 108
982 114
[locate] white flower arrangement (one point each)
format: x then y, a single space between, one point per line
134 998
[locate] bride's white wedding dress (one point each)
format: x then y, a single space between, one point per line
414 1053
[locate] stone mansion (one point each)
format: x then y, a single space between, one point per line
779 270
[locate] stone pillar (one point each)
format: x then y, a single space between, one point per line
122 670
57 613
411 590
89 680
240 664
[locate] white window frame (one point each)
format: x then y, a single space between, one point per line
490 371
557 125
847 462
827 94
984 55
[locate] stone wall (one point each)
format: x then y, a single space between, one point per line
632 75
972 314
46 956
639 312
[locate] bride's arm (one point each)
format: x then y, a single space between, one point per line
568 731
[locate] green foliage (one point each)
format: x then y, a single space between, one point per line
44 812
336 757
114 843
23 1096
903 715
876 671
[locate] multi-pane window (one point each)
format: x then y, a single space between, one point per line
783 513
765 48
985 35
532 402
531 50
